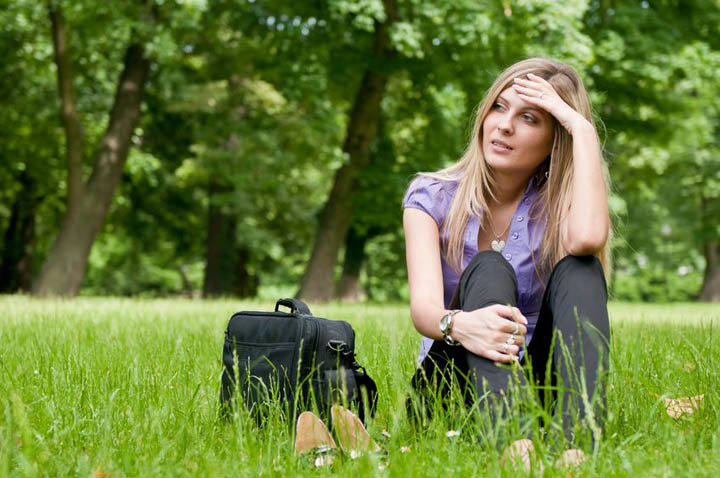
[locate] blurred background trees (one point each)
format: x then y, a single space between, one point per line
272 141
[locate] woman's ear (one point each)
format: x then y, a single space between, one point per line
543 170
545 165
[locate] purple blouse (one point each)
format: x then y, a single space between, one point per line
434 196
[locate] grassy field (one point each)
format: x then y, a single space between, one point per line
113 387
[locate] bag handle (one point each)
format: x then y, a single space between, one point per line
296 306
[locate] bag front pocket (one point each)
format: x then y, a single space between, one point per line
264 372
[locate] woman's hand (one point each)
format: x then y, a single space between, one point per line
486 332
539 92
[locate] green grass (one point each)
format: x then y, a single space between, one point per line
130 387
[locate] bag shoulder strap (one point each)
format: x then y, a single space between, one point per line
364 382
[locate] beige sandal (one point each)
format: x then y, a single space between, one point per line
352 436
312 438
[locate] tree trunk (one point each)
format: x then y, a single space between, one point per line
88 203
318 281
74 141
187 284
246 283
710 291
350 289
219 260
19 240
226 271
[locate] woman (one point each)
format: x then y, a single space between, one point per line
518 230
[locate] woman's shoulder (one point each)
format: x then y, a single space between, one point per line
433 184
431 193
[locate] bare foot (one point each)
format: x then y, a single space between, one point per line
351 433
571 458
522 453
312 436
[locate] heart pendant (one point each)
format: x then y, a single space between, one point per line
497 245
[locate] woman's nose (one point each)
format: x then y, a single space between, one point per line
505 124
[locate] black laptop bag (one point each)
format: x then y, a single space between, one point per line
293 360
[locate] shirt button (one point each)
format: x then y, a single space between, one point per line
515 235
508 256
526 201
520 218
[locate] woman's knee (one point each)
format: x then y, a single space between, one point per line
578 296
489 265
579 272
488 278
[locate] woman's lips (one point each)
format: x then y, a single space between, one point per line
500 147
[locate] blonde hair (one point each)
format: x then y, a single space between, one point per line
475 180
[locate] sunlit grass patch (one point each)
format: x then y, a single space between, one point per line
130 388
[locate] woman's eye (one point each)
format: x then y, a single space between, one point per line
529 118
496 106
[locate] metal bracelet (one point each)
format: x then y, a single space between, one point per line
446 336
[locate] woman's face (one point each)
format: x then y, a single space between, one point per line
517 136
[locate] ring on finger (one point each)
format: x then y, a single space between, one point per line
505 347
510 340
517 329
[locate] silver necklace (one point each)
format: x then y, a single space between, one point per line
497 244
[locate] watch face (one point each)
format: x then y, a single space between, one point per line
444 323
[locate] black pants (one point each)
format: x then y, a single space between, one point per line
572 326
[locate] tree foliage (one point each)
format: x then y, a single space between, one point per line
248 105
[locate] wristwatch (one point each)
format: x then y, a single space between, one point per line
446 327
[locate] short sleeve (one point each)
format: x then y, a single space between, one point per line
428 195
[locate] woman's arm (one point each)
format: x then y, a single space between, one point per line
585 228
422 252
482 331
